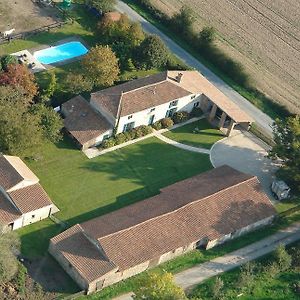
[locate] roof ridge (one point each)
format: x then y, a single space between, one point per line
253 177
9 199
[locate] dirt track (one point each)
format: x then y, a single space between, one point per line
24 15
264 35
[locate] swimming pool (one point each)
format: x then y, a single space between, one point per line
60 53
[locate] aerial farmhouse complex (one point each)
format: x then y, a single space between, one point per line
23 201
146 100
199 212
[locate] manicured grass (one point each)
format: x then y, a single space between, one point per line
264 287
83 189
198 134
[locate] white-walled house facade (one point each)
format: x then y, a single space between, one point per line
23 201
146 100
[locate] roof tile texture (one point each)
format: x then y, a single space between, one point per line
82 121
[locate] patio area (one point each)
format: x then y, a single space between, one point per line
26 58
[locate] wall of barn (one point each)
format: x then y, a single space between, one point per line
239 232
67 267
36 215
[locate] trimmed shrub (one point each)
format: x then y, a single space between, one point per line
120 138
108 143
180 117
196 112
157 125
128 136
166 122
8 60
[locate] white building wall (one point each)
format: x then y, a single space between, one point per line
18 223
142 117
36 215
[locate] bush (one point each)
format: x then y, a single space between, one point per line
246 277
271 270
20 279
217 289
120 138
166 122
196 112
157 125
108 143
8 60
283 259
180 117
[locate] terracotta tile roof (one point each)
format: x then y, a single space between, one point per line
208 205
30 198
194 82
9 177
82 121
186 191
139 94
8 213
84 256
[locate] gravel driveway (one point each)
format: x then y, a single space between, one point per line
246 153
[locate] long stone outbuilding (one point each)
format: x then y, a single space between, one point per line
202 211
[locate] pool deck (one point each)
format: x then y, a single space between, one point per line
42 67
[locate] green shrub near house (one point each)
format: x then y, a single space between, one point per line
180 116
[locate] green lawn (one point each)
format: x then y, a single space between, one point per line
84 189
264 287
204 136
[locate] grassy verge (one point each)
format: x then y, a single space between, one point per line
264 286
198 134
196 257
257 98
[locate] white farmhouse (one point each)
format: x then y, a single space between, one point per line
146 100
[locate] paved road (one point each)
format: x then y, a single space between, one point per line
246 153
260 118
193 276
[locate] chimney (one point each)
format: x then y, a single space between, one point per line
179 77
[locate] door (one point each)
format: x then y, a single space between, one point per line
171 112
151 119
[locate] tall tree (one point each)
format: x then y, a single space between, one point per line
152 53
50 122
100 66
9 244
155 286
19 77
102 5
183 20
287 149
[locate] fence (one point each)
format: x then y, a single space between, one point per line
30 33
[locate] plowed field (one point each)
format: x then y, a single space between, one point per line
264 35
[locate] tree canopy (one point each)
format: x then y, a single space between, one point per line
155 286
102 5
152 52
9 244
19 77
287 148
100 66
183 20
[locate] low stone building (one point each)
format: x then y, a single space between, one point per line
22 199
202 211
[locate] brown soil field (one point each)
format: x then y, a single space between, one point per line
25 15
264 35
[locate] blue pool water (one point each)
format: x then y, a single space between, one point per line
59 53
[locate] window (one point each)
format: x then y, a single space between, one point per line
193 97
32 216
171 112
129 117
106 137
152 109
173 103
128 126
196 104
